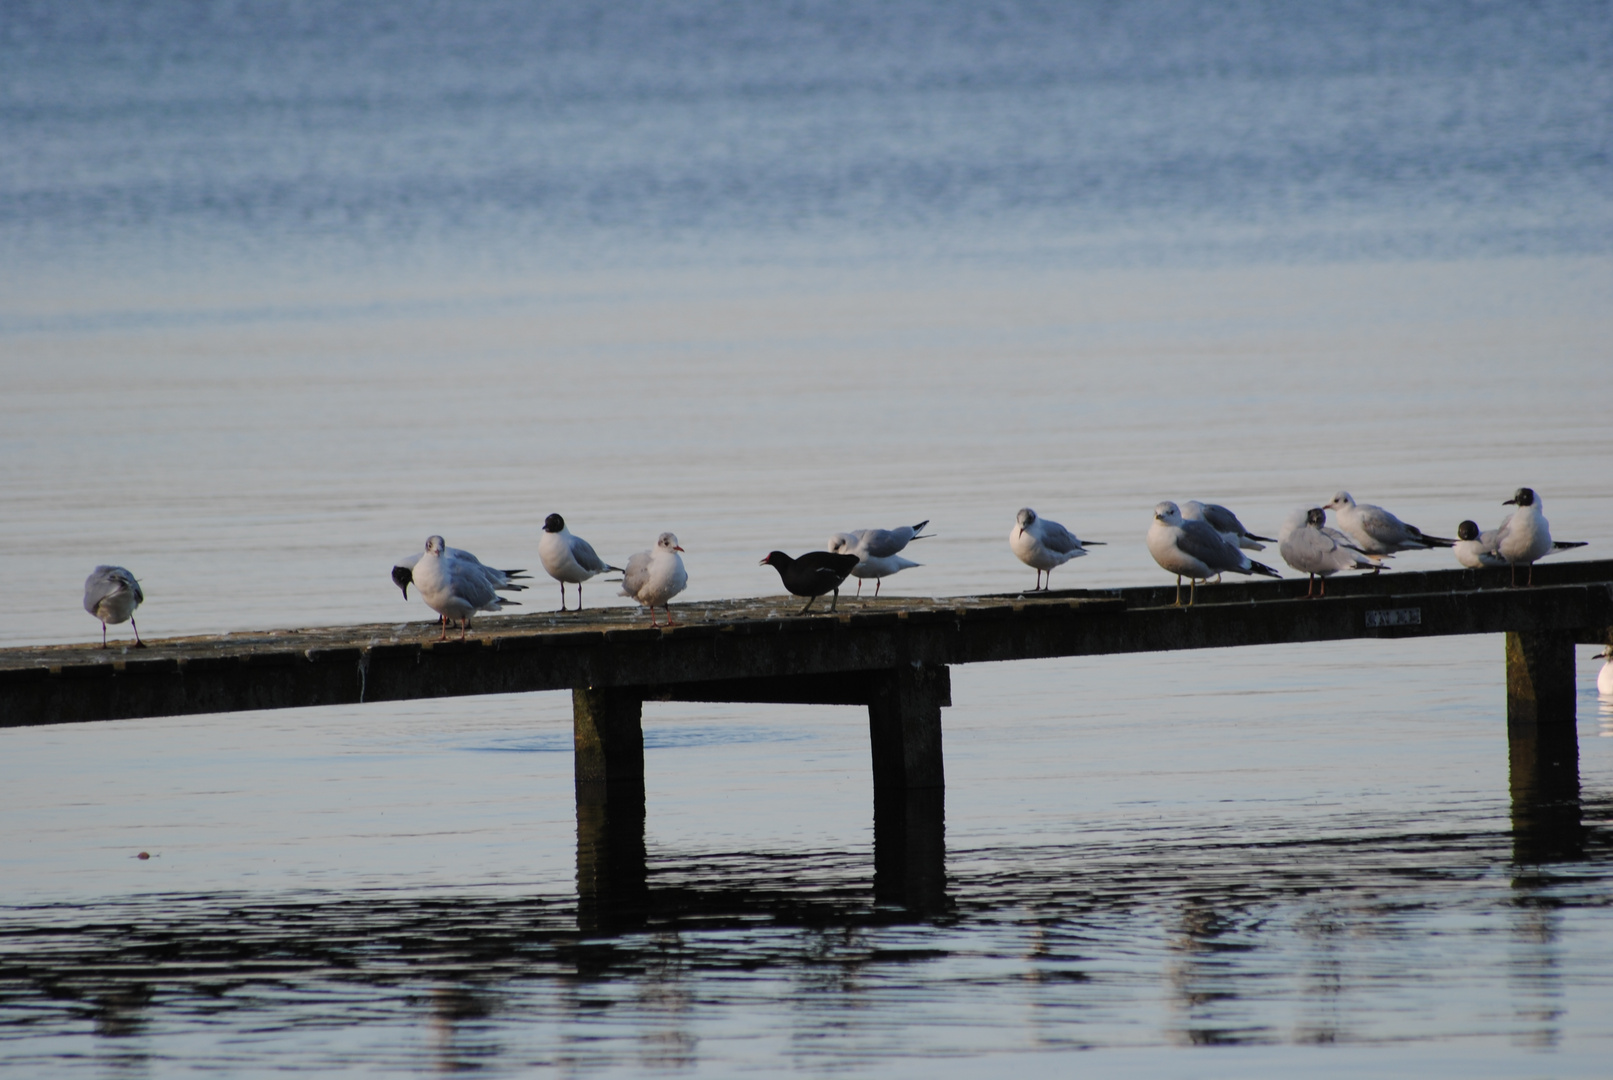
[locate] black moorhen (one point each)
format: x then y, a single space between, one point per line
813 574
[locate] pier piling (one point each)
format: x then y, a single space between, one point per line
1540 678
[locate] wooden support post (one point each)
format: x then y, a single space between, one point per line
1540 678
904 726
608 735
608 739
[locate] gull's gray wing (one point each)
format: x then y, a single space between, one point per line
1383 526
587 558
108 581
878 543
1057 538
1203 542
1223 520
473 584
1345 540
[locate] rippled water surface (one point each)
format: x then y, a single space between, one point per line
286 288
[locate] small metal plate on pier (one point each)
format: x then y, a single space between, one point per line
1408 616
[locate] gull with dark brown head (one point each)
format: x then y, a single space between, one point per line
569 558
1525 536
1318 551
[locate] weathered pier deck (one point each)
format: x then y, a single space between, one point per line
892 656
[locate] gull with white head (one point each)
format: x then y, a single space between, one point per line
456 585
1044 544
111 594
877 551
1378 532
1226 523
1195 550
655 576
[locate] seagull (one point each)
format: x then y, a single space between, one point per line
502 580
877 549
1296 520
1479 549
111 594
1476 549
1195 549
1226 523
1604 678
813 574
456 585
655 576
1043 544
1378 532
1526 535
569 558
1313 549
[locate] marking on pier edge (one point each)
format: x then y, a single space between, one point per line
1406 616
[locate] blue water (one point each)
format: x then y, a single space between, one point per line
285 288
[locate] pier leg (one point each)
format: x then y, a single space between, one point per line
904 726
608 735
1540 678
910 848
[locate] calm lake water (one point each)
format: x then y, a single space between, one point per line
286 288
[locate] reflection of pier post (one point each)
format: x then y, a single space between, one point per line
1543 748
612 879
910 849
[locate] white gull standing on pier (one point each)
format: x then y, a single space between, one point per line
456 587
1525 535
111 594
877 549
1195 550
569 558
1376 531
1317 551
1043 544
655 576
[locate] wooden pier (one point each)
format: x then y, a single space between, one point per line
892 656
